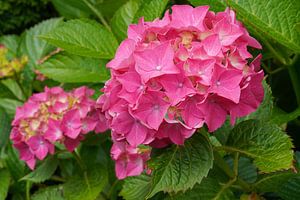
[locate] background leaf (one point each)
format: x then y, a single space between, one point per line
69 68
151 9
123 17
44 171
136 188
4 183
11 42
4 128
264 142
72 8
49 193
181 167
291 189
86 186
32 46
83 38
209 189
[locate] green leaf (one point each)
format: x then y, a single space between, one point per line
274 18
10 105
108 7
72 8
123 17
264 142
11 42
87 186
49 193
209 189
14 164
136 188
4 183
34 47
69 68
215 5
5 92
83 38
151 9
44 171
291 189
181 167
273 182
15 88
4 128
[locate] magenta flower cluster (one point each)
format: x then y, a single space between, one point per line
53 116
172 76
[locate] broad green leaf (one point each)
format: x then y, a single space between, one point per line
264 142
44 171
4 128
72 8
123 17
11 42
49 193
4 183
87 186
209 189
181 167
70 68
273 182
10 105
83 38
36 48
136 188
15 88
273 19
151 9
215 5
291 189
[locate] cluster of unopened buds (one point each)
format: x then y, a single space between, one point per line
12 67
54 116
172 76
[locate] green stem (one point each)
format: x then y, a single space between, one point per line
294 78
28 186
232 174
111 190
79 161
57 178
98 14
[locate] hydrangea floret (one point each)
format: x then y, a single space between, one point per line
50 117
174 75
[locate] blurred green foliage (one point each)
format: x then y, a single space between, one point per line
16 15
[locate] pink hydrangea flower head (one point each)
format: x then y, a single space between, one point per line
174 75
53 116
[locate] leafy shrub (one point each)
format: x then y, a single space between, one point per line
257 158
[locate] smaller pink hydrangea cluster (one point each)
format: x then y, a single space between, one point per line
173 75
53 116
